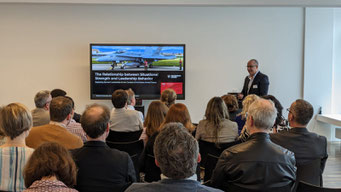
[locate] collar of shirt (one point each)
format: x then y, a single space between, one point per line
251 78
130 107
58 124
193 177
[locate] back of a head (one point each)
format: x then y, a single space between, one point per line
278 106
119 98
248 100
95 119
303 111
41 98
168 96
216 111
179 113
60 108
50 159
15 119
176 151
156 114
57 93
231 102
131 95
263 113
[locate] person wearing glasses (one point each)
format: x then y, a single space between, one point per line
256 82
310 148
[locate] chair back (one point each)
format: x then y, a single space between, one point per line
117 136
304 187
310 172
152 172
133 148
210 153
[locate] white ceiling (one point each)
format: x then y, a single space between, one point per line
285 3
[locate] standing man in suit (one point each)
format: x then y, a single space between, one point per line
101 168
308 147
256 82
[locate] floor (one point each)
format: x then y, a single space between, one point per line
332 171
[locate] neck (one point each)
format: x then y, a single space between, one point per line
297 125
49 178
100 138
19 141
257 130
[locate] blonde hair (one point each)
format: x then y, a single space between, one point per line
168 97
216 112
155 116
248 100
15 119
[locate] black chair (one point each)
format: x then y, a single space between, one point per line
133 148
117 136
152 172
306 187
210 153
310 172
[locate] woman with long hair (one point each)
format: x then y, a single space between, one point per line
216 127
155 116
179 113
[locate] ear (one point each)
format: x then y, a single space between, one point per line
199 158
69 116
157 163
107 130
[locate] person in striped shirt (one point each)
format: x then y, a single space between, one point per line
15 122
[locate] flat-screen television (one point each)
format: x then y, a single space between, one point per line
147 69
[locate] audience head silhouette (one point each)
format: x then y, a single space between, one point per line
176 151
60 109
15 120
168 97
50 160
179 113
231 102
95 120
57 93
261 115
119 98
155 116
43 99
300 113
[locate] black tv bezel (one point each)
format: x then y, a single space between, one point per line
138 44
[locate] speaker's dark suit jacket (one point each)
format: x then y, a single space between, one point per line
102 168
260 85
307 147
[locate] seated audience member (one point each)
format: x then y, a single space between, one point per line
75 127
60 115
232 106
168 97
177 155
216 127
177 113
241 117
156 114
307 146
50 168
60 92
101 168
257 164
131 102
121 119
41 114
280 120
15 122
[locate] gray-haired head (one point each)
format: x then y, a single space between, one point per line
176 151
42 98
263 113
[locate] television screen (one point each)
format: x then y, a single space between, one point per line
147 69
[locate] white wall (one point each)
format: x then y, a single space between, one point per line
336 101
47 46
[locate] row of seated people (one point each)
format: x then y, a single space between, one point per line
216 128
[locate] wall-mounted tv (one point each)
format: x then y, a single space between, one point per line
147 69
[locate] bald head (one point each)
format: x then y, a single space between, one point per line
95 120
263 114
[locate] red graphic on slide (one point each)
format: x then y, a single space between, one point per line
176 86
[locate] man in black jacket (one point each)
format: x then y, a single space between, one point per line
101 168
308 147
257 164
256 82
